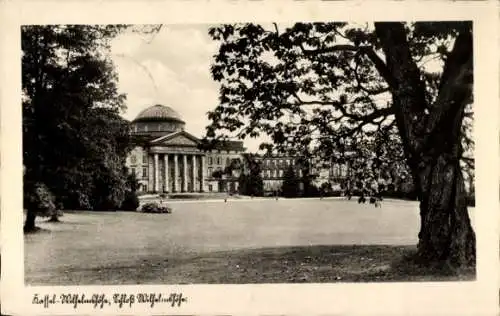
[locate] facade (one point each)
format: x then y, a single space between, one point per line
167 159
273 169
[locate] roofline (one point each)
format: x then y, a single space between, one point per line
158 119
164 137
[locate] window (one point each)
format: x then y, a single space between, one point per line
145 187
269 173
336 170
145 172
210 161
133 159
218 160
210 188
132 171
210 171
145 158
281 173
228 161
343 170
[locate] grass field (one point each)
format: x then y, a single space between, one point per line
241 241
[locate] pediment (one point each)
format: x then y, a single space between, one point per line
177 139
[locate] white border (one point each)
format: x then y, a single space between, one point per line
469 298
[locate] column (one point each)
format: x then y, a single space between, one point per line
202 180
165 160
155 168
175 188
184 173
195 178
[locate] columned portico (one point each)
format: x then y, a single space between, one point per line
184 173
195 174
176 169
166 158
167 170
156 172
178 172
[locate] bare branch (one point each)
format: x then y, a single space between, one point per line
369 91
455 88
369 118
367 50
276 28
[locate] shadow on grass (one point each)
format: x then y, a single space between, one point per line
326 264
305 264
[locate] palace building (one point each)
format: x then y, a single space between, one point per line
166 158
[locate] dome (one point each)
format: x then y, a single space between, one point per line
158 112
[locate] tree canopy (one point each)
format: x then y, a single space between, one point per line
74 140
322 88
300 83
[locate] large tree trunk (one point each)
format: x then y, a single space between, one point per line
446 235
432 142
29 224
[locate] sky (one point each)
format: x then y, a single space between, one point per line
171 67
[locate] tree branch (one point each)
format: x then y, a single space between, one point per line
455 88
366 50
360 86
369 118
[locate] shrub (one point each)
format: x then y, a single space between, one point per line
131 202
155 208
38 197
471 200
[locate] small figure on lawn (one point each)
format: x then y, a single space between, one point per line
376 198
362 199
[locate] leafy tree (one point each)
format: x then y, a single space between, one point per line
376 160
41 199
250 181
343 80
131 201
73 138
290 186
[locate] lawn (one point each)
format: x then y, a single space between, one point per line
241 241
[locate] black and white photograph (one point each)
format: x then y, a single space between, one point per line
326 152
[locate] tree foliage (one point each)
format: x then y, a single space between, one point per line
74 140
290 187
317 88
250 181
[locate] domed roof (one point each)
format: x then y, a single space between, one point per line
159 112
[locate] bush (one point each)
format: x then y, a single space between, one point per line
131 202
38 197
471 200
155 208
